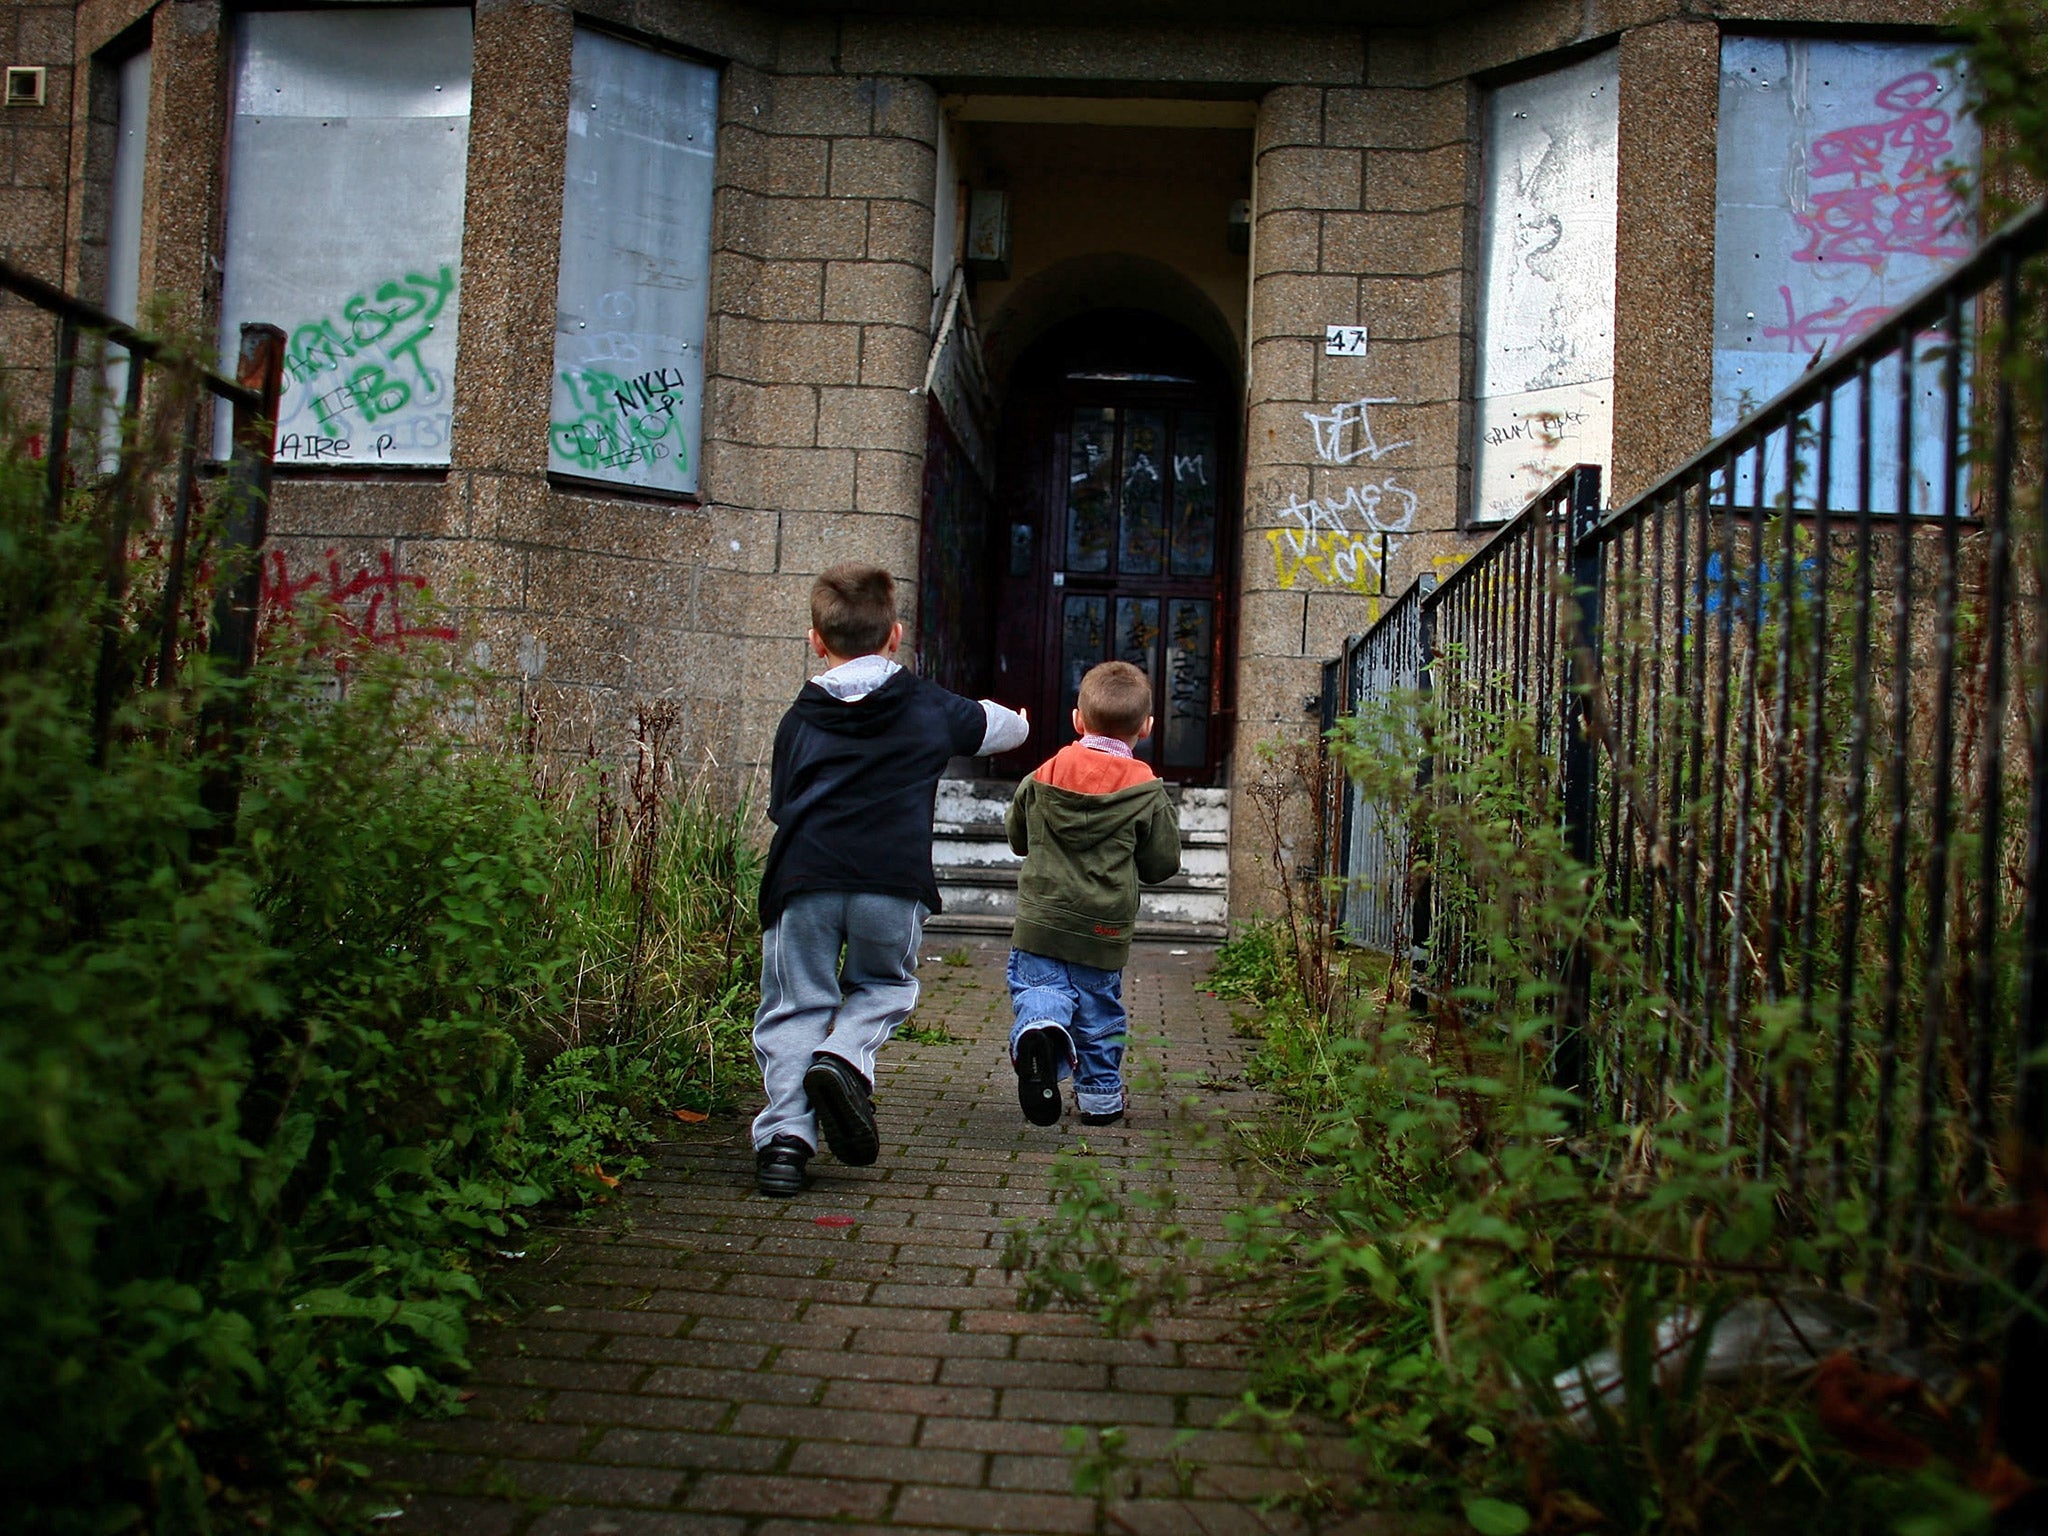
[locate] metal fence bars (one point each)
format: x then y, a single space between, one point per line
1793 706
1486 634
121 362
1370 846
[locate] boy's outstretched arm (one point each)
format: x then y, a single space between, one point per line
1007 729
1159 845
1017 822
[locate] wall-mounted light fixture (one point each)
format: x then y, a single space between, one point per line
26 84
1237 237
988 235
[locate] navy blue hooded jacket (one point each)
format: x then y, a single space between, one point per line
852 785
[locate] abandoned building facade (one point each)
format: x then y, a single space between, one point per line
1183 334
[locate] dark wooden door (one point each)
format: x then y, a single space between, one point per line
1119 519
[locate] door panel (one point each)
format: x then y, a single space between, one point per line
1114 480
1144 465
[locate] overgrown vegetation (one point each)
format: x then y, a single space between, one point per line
1525 1324
267 1113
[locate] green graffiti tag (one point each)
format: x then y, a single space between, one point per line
399 376
621 421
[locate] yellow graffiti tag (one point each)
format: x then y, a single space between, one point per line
1355 562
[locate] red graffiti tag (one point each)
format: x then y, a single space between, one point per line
1813 330
366 607
1898 196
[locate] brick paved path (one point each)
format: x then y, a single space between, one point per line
713 1363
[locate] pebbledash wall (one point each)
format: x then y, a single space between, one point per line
1523 206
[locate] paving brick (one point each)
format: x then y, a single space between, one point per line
1032 1474
595 1320
737 1386
1053 1375
899 1464
492 1437
428 1514
891 1341
901 1397
649 1412
680 1448
592 1484
794 1335
571 1520
995 1435
749 1493
857 1366
1087 1407
843 1424
990 1509
576 1375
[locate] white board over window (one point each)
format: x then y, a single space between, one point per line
346 162
1545 390
636 253
124 225
1840 191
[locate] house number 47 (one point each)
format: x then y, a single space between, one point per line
1344 341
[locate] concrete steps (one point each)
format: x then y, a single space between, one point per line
978 873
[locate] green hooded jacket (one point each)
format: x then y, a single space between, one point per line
1090 825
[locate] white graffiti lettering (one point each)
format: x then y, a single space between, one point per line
1345 434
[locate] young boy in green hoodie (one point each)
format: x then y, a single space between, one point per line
1090 824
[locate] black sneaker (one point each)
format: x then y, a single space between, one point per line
844 1104
779 1166
1038 1076
1108 1116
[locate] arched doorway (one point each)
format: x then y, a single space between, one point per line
1115 518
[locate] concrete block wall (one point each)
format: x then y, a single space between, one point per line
35 163
814 427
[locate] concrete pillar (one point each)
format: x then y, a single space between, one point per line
821 282
1361 218
1664 250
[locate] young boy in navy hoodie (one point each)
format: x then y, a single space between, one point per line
848 882
1090 824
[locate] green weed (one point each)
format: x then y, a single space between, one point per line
267 1111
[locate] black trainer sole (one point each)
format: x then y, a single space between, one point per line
1038 1077
843 1115
779 1180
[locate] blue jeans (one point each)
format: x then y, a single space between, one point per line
1086 1006
812 1000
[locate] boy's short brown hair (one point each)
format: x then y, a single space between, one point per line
1116 699
853 608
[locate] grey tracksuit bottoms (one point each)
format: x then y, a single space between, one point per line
813 1000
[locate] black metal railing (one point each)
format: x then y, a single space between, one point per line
1792 704
1495 618
113 457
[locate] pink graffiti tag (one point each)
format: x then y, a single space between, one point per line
1899 197
1813 330
367 606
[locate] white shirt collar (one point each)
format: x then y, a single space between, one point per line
852 681
1109 744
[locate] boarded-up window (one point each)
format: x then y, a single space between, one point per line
636 249
124 207
346 165
1545 395
1838 194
